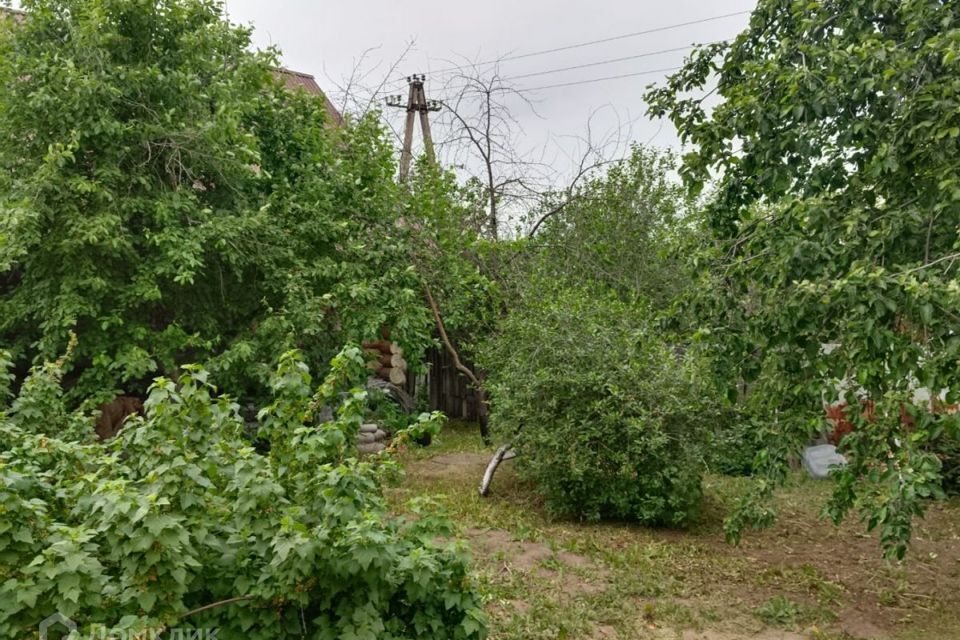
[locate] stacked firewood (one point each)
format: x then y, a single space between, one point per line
385 360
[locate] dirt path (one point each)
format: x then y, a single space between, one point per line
801 579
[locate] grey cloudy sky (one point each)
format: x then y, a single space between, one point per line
327 39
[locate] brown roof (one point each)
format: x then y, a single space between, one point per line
296 81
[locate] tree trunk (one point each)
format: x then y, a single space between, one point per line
478 387
503 453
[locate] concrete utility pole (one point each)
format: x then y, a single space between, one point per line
416 103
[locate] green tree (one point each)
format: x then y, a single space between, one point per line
608 410
617 230
456 266
835 146
162 195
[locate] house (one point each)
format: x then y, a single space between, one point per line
297 81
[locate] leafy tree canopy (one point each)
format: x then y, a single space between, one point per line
609 413
836 147
616 230
165 197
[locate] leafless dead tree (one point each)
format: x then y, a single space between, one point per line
360 92
482 137
587 155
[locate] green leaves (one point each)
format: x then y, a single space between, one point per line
834 223
608 421
616 230
168 200
181 513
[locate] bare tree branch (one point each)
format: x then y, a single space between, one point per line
462 368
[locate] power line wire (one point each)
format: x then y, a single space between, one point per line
646 72
581 66
607 61
577 82
593 42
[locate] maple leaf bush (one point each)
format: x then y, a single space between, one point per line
180 523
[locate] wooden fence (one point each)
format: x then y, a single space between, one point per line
447 389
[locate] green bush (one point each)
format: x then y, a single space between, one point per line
733 445
606 415
947 449
420 428
178 523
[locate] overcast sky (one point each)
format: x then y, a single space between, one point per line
328 39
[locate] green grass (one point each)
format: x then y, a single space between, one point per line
617 580
781 611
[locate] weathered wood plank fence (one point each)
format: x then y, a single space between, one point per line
448 390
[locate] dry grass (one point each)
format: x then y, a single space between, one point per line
804 578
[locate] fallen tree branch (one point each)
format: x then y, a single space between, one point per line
462 368
505 452
216 605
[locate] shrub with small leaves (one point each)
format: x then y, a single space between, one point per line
607 418
734 444
179 523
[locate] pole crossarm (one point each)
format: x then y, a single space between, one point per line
416 102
